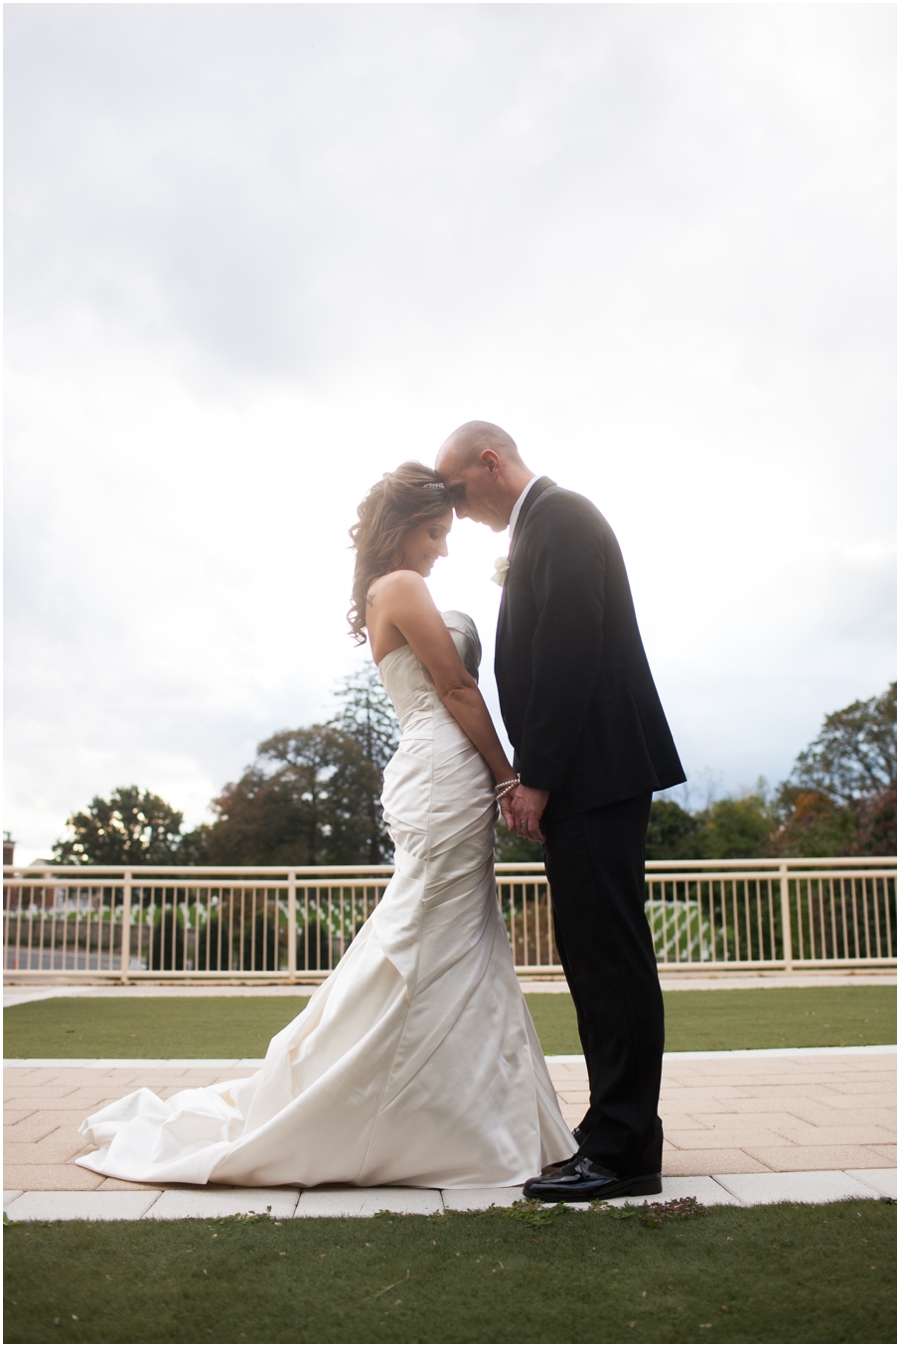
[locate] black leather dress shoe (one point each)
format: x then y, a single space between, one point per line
583 1181
558 1165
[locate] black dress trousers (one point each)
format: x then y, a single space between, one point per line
595 865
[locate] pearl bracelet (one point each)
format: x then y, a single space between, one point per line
504 787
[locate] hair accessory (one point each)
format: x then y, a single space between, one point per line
434 486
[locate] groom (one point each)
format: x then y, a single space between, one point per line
592 744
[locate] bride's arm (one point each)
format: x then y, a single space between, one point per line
406 603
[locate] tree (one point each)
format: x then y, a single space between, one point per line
876 833
312 796
841 797
673 832
729 828
305 801
854 756
509 847
736 826
366 714
812 824
130 828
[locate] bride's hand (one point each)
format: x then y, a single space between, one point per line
506 809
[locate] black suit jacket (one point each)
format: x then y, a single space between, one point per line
576 693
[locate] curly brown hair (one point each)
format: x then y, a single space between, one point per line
401 501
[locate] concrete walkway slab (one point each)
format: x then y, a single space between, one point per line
479 1199
202 1204
706 1190
369 1201
80 1206
823 1186
199 1203
884 1181
703 1188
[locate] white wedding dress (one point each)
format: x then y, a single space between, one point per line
416 1062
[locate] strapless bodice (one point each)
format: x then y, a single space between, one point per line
410 686
437 786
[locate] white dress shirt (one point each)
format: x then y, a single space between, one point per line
517 508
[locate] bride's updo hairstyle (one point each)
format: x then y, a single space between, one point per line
401 501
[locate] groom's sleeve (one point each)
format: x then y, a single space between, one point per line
567 559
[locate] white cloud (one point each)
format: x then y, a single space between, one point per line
259 254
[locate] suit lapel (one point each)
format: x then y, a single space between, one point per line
538 489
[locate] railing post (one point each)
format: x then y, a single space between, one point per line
292 926
126 926
787 943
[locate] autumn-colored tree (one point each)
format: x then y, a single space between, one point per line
313 795
303 802
841 797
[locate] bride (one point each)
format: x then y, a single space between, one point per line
416 1062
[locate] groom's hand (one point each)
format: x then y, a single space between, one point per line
528 806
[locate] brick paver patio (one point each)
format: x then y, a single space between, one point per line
740 1114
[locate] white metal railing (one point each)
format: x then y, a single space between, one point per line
269 923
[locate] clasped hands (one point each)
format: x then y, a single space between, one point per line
522 809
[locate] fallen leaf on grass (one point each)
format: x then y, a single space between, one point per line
407 1278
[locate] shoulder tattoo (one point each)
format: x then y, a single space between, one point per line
370 600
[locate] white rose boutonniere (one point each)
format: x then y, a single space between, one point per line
501 571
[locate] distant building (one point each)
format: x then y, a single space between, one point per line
9 848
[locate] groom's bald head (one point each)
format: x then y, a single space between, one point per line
482 465
464 447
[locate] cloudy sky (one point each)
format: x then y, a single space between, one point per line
258 254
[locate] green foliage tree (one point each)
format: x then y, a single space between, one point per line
366 714
736 826
508 847
132 827
673 832
726 829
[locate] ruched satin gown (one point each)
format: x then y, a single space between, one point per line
416 1062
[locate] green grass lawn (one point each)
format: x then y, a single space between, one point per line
241 1026
763 1017
767 1274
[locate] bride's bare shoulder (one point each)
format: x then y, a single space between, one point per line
398 587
